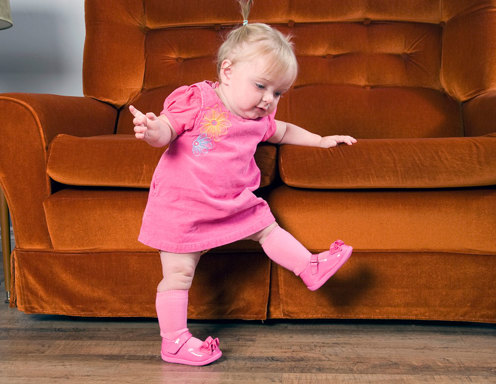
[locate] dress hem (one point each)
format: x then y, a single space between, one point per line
208 244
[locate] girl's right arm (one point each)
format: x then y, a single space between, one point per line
156 131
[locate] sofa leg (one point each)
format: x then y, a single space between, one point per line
6 246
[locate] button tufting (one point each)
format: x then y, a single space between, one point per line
179 59
291 23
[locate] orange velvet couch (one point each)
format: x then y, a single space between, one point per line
413 80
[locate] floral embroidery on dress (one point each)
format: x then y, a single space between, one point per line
201 145
214 125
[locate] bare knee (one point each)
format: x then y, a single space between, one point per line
262 235
178 271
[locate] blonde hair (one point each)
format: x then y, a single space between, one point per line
256 40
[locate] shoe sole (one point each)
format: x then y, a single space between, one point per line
333 270
175 360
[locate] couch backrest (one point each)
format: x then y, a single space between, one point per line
370 68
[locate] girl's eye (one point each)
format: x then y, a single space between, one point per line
260 86
278 94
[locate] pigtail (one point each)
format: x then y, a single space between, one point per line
245 9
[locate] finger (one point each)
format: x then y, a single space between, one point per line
135 112
352 140
140 132
349 141
139 122
346 139
151 116
140 129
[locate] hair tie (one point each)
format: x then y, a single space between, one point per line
245 22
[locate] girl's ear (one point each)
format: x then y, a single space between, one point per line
225 71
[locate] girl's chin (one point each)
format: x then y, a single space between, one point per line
255 113
260 112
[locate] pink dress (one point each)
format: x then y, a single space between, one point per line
201 195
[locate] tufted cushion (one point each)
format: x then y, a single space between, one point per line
411 43
368 113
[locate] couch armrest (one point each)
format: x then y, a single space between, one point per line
29 122
479 115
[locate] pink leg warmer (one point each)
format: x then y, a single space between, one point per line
172 312
285 250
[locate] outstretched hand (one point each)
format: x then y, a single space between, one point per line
144 124
155 130
332 141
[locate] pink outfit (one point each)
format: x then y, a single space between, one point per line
201 195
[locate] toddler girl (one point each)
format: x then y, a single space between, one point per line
201 195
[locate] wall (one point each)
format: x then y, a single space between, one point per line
43 51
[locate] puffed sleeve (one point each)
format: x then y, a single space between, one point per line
271 126
182 107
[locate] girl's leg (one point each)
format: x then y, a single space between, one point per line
285 250
172 292
282 248
178 345
178 270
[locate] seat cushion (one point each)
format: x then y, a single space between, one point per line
392 163
103 219
121 161
95 219
451 220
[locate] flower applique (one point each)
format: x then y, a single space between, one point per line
201 145
214 125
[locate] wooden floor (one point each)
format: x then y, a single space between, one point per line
51 349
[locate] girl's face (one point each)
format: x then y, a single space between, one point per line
249 90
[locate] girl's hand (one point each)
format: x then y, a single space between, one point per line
156 131
332 141
144 125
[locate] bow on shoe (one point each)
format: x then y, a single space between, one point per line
210 345
316 259
336 246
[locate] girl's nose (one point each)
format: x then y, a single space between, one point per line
268 97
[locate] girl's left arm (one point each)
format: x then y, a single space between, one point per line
287 133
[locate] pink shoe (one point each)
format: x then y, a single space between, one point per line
322 266
189 350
